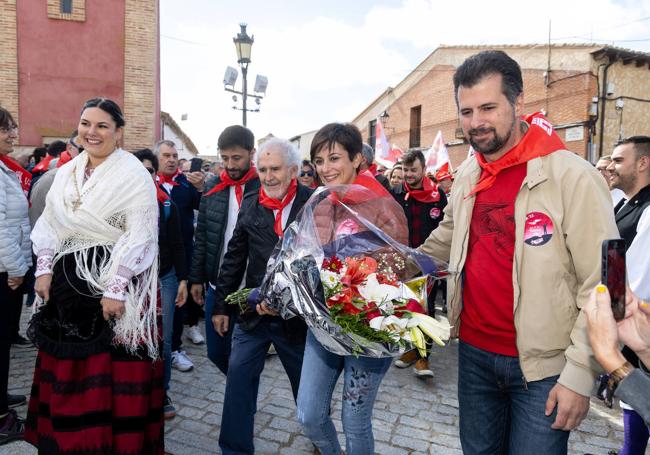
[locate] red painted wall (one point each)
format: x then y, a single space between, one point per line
63 63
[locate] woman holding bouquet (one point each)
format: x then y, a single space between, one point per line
336 153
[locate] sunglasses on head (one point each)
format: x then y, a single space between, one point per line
306 173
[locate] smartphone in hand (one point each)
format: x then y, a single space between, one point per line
613 274
196 164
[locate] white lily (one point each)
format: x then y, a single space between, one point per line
436 329
395 326
418 341
373 291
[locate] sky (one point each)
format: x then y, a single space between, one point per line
328 60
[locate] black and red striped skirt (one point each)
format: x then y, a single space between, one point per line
89 396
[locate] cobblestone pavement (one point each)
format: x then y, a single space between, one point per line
411 415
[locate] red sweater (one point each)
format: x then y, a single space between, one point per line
487 320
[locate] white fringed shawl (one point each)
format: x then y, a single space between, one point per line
118 212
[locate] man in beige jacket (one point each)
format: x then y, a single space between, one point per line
522 233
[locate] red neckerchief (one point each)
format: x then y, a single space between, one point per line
369 182
373 169
63 158
162 178
226 182
24 176
539 140
161 195
313 185
428 193
277 204
43 165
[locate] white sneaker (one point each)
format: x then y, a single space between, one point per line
181 361
194 335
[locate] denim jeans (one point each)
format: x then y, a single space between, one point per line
500 413
218 346
168 291
361 378
249 350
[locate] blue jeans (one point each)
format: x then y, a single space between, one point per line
168 291
249 350
361 378
500 413
218 346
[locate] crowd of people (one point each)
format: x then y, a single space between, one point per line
120 250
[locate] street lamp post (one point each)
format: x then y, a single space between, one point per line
243 44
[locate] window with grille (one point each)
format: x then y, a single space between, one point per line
66 6
372 139
416 126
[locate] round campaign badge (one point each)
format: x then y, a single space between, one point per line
538 230
434 212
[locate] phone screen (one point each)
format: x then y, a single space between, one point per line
613 274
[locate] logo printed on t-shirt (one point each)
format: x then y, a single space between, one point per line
538 230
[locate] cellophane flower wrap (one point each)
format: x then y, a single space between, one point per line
343 267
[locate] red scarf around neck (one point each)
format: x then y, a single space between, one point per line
169 179
43 165
64 157
161 195
277 204
226 182
373 169
369 182
427 194
24 176
540 140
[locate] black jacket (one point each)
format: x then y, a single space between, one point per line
210 229
430 214
627 218
187 199
170 241
248 251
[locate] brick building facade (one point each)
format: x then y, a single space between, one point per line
565 81
56 54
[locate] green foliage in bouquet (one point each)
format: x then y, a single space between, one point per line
239 298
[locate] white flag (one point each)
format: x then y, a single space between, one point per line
437 154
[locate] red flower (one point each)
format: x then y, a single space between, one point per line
333 264
391 279
372 311
357 271
345 298
412 305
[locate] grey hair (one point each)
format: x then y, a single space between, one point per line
291 156
157 145
368 153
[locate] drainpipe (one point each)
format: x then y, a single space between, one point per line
603 97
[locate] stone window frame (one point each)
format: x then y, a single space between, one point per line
54 10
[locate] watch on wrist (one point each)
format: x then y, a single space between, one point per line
615 377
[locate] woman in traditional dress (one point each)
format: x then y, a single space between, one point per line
336 153
98 377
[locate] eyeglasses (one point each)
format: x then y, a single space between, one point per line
306 173
151 170
78 147
9 129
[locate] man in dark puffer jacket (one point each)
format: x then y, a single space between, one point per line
218 212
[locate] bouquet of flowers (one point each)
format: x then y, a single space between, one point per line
366 298
341 267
